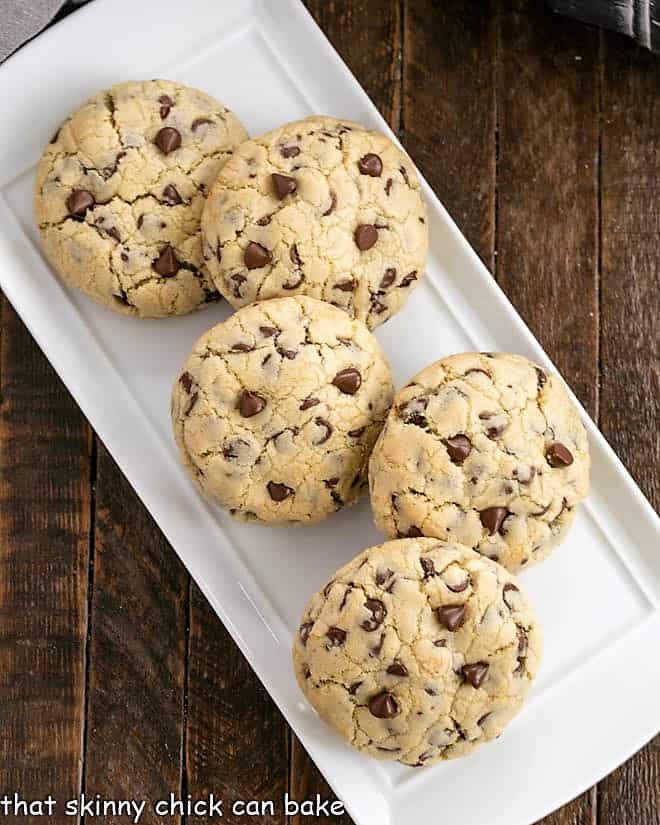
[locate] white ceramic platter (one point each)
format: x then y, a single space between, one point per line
597 698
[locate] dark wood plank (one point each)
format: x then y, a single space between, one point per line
44 552
137 652
237 743
367 34
449 109
547 204
547 184
630 309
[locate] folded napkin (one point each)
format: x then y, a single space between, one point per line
22 19
640 19
636 18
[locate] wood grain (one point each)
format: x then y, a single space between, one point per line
44 550
137 653
449 109
237 742
547 185
630 320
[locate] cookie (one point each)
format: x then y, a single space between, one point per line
276 410
486 449
119 195
418 650
320 207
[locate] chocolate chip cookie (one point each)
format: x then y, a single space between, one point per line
486 449
320 207
418 650
120 190
277 409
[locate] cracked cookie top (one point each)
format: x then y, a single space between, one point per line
320 207
486 449
418 650
119 195
276 410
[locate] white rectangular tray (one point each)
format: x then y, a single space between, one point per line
597 698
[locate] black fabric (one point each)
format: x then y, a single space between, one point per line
639 19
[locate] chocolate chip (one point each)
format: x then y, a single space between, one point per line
492 518
524 474
304 631
346 286
331 482
113 232
410 277
557 455
440 643
237 281
353 689
383 705
348 381
508 587
388 186
388 278
170 196
365 236
166 264
167 139
289 151
459 588
478 369
404 174
268 332
278 492
336 636
414 532
294 284
283 185
522 642
186 381
333 204
344 600
310 401
383 575
541 377
483 718
294 256
256 256
325 425
397 669
428 567
249 403
376 651
378 613
241 347
458 447
475 673
199 121
370 164
166 104
451 616
78 202
356 433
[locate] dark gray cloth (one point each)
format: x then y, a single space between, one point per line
639 19
22 19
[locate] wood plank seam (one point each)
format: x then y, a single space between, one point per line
183 760
88 615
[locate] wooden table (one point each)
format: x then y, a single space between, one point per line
541 137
